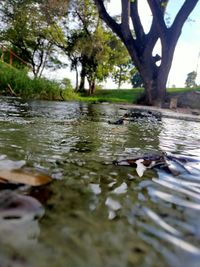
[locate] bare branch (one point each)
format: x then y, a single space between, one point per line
158 15
139 31
125 12
107 18
83 23
122 30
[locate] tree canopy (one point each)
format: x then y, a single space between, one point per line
42 32
32 34
92 47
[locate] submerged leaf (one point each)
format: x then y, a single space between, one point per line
22 177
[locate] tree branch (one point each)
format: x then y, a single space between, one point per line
157 9
83 23
115 27
122 30
182 16
125 12
139 31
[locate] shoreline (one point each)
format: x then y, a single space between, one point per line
178 113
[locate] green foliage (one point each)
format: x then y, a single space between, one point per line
30 33
25 87
94 48
120 62
181 90
7 52
69 94
66 84
87 42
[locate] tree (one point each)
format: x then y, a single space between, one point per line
32 34
122 73
82 30
191 79
154 70
121 61
91 46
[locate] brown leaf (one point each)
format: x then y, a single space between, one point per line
23 177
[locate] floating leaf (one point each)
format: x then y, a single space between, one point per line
140 167
23 177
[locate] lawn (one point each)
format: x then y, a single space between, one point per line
114 96
125 95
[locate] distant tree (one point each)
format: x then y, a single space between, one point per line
153 69
191 79
121 62
89 51
121 74
86 40
136 80
92 48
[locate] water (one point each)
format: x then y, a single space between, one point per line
95 214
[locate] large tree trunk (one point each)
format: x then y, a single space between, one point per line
141 46
155 77
155 92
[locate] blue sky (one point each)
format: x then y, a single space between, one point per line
188 47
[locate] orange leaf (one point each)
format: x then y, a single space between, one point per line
22 177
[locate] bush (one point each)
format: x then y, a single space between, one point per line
66 84
17 82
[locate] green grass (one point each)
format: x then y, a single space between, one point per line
128 96
25 87
181 90
114 96
28 88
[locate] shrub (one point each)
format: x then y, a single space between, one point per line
17 82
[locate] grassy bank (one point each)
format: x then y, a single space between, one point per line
128 96
114 96
16 82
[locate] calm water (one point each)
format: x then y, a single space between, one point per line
95 214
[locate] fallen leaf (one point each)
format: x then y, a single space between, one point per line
22 177
140 167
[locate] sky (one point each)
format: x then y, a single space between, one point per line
186 56
187 53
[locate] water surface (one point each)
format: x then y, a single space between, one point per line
95 214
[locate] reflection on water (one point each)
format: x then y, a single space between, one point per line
178 136
97 214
